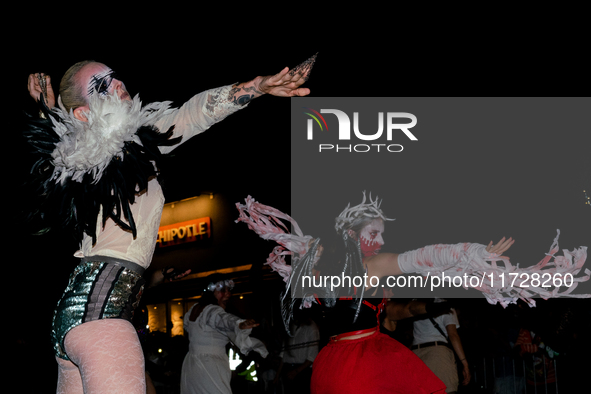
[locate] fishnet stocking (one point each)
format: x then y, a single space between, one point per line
106 358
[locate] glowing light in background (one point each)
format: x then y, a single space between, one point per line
235 361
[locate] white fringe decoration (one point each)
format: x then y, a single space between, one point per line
500 284
454 260
264 220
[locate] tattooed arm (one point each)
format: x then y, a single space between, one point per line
284 84
242 93
214 105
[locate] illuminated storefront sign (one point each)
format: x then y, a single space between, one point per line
183 232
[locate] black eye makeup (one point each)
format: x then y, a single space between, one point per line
100 83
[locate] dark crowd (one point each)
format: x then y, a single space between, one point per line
518 349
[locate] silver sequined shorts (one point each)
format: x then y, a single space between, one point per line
99 288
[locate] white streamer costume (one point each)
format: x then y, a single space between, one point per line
473 260
469 259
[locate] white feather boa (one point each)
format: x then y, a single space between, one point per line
89 147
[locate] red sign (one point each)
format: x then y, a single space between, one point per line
183 232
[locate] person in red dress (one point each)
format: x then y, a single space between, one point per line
358 357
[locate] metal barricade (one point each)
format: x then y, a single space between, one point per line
537 374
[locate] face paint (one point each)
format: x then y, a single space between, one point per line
98 78
101 83
370 238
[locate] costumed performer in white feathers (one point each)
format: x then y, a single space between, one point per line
97 175
353 360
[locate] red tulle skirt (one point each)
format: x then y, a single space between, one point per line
373 364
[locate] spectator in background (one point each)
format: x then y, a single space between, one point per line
532 346
435 339
295 370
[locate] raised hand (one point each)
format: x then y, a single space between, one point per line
35 86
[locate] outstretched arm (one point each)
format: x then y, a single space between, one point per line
284 84
212 106
433 256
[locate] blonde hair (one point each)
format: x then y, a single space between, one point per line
72 95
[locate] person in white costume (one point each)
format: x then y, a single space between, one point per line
206 368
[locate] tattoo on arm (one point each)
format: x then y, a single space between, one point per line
210 104
240 95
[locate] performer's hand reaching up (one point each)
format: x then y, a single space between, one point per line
35 89
500 247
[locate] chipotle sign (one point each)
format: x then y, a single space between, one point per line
183 232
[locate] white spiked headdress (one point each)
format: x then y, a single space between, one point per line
364 210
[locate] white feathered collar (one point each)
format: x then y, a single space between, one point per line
89 147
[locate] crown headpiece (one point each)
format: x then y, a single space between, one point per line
364 210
